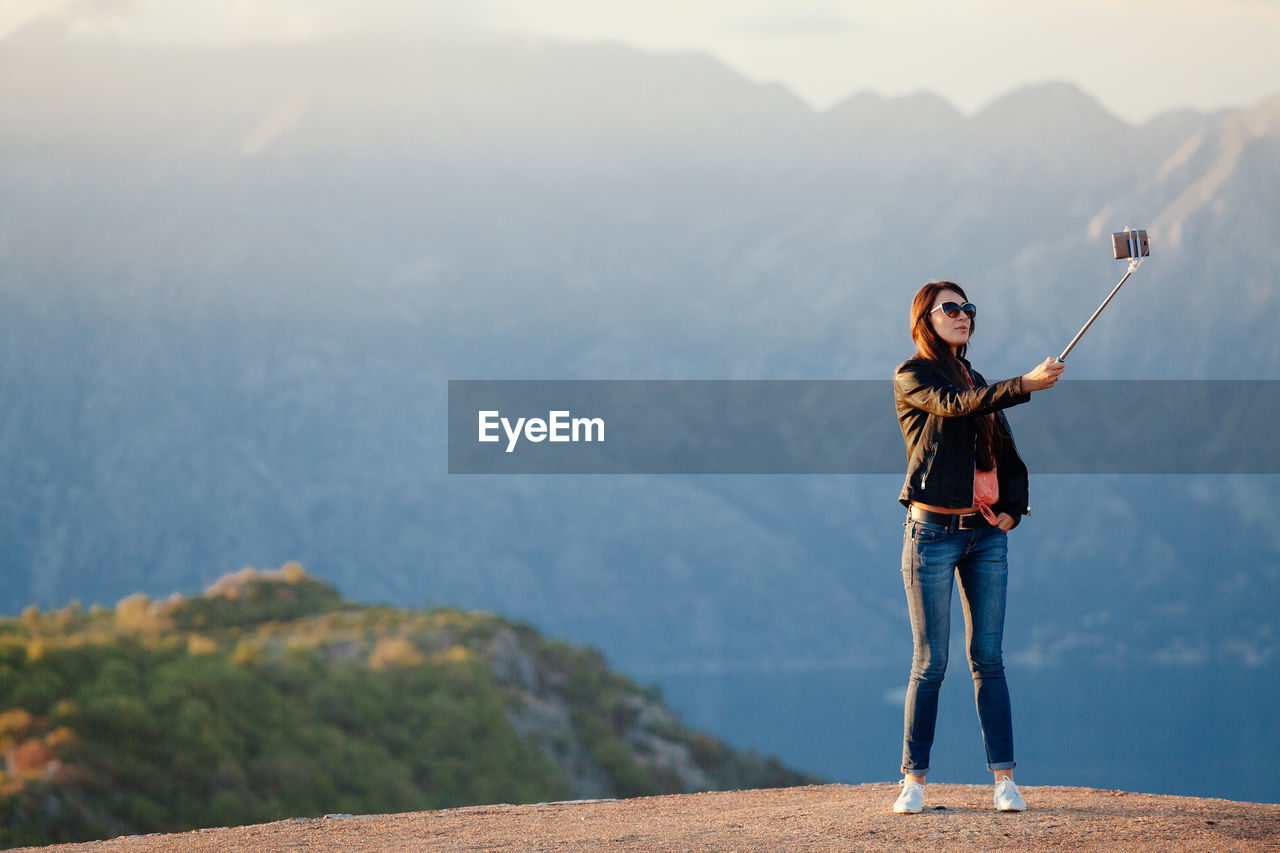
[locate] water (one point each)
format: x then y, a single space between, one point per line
1195 731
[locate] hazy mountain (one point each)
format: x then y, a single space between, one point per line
233 284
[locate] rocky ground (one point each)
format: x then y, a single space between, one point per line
815 818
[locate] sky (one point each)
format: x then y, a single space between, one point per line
1138 58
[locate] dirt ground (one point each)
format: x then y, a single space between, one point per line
816 818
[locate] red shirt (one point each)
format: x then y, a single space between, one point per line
986 488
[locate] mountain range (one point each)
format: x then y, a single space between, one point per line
235 281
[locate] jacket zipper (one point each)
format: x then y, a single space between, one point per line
928 465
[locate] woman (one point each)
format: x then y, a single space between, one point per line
966 487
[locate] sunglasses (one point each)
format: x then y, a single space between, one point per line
953 309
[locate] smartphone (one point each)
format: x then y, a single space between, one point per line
1131 244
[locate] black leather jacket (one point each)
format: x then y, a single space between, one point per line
937 420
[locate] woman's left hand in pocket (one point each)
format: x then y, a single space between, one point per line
1004 521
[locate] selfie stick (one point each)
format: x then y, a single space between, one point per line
1131 244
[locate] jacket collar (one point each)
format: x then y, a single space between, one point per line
921 359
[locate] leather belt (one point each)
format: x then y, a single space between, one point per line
951 521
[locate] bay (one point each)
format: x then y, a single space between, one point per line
1200 730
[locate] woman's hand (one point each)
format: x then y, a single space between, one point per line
1004 521
1045 375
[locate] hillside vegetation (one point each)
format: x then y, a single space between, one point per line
269 696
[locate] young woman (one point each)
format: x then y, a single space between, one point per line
965 488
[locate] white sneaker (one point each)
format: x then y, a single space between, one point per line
911 800
1007 797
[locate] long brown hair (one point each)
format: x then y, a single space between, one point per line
929 345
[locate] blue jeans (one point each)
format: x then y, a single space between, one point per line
931 557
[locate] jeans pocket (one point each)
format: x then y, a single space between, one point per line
925 531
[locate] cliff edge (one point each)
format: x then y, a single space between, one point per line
813 818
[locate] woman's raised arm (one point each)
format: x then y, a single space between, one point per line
924 387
